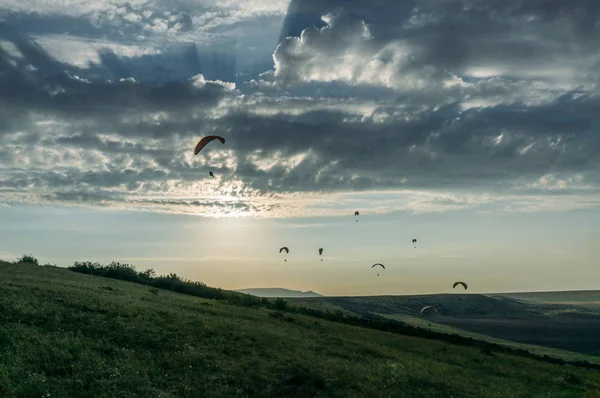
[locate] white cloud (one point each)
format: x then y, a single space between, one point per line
11 49
198 81
81 52
335 52
551 182
127 80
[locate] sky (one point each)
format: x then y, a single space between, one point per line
470 125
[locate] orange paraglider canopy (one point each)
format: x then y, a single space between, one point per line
204 141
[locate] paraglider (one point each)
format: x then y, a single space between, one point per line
203 142
321 252
459 283
287 251
414 241
381 265
356 214
426 308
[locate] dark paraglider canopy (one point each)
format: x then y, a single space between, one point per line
414 241
284 248
381 265
356 213
320 251
204 141
459 283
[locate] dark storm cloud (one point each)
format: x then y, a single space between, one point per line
177 62
435 149
446 38
63 93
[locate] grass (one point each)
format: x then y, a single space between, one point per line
65 334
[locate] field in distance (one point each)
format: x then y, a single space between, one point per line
558 321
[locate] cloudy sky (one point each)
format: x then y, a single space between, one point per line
470 125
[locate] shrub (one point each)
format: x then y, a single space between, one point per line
279 304
87 267
147 275
27 258
125 272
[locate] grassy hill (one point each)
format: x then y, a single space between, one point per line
64 334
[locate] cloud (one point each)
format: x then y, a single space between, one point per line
65 93
85 52
164 40
416 40
426 108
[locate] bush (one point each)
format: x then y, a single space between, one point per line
28 259
246 300
124 272
127 272
87 267
147 275
279 304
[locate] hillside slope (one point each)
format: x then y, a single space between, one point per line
65 334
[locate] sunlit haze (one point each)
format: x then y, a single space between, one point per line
473 129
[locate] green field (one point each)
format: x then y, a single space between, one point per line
535 349
65 334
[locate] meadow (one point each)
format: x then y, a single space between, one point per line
68 334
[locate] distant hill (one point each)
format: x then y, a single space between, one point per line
278 292
579 297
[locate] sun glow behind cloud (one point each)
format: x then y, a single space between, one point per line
437 112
